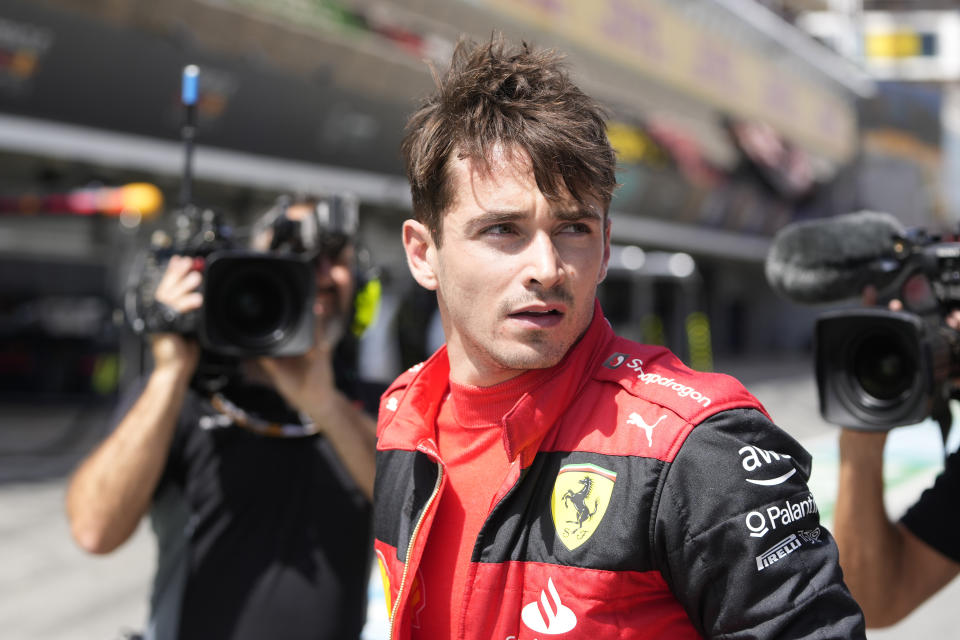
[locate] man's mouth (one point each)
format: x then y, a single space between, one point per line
536 314
539 317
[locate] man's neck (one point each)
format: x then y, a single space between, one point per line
464 371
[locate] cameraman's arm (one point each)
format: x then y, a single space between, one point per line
112 488
307 383
354 436
869 543
889 571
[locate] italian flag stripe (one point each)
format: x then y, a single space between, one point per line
590 468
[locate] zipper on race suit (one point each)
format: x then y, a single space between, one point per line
413 538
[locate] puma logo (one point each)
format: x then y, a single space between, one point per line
636 420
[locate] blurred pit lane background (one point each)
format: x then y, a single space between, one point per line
731 118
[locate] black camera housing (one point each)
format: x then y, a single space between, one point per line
256 305
877 369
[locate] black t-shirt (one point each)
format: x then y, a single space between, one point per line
258 536
935 516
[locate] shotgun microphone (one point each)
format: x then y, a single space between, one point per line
819 261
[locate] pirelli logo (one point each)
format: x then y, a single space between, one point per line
778 552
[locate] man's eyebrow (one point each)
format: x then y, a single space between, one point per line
489 218
493 217
580 213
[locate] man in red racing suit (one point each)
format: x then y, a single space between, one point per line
539 476
700 520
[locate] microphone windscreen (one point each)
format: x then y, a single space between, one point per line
833 259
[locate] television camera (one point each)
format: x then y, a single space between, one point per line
254 303
876 368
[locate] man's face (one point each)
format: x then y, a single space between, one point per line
334 283
515 274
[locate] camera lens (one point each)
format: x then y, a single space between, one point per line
256 304
255 307
883 367
878 368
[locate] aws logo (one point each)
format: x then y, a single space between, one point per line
755 459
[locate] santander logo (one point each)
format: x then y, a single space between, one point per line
549 615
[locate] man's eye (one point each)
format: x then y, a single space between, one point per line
499 230
575 227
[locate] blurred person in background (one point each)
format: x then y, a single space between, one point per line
540 475
259 494
894 567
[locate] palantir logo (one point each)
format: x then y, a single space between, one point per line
549 616
759 523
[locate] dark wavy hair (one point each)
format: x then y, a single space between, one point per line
515 96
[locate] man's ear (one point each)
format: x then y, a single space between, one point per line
421 254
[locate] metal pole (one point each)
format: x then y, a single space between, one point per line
189 93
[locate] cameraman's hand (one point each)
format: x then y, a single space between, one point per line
869 299
177 290
307 381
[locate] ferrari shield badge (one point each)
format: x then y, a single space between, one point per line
580 498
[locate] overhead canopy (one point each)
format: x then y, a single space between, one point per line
315 95
694 56
163 157
332 82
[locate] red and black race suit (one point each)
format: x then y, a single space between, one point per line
645 500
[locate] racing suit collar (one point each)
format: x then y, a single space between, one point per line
538 410
526 424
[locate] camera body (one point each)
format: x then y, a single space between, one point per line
254 303
257 304
877 368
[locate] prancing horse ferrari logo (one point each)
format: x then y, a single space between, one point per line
581 494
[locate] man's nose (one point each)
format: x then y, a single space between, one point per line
544 264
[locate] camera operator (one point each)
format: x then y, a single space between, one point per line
259 494
892 568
